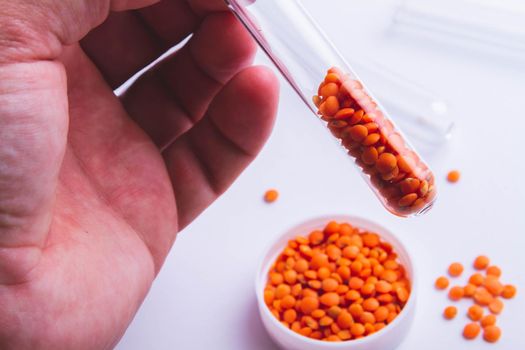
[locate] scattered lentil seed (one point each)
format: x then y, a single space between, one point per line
493 271
271 196
450 312
485 292
509 291
456 293
475 312
481 262
491 333
455 269
441 282
471 330
453 176
488 320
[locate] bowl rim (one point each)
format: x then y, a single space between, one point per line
363 223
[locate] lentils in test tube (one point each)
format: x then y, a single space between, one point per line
401 179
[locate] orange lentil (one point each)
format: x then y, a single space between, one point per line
330 89
493 271
329 285
329 299
334 311
325 321
352 295
476 279
485 291
385 298
268 296
271 196
508 292
496 306
345 320
493 285
351 251
356 310
290 276
383 287
471 330
482 297
333 252
309 304
290 316
488 320
475 312
318 313
282 290
441 282
323 273
469 290
310 274
370 304
316 335
481 262
453 176
344 335
288 302
367 317
316 237
402 294
491 334
455 293
357 329
339 281
450 312
332 78
276 278
319 260
330 106
356 283
391 316
389 276
306 331
381 314
455 269
344 272
332 227
386 162
310 322
368 288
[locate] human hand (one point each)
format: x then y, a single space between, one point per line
93 187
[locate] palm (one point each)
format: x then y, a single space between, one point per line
78 265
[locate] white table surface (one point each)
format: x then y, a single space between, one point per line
204 296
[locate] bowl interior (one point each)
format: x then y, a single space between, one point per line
276 247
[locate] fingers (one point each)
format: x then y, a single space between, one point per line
121 5
204 162
169 100
39 29
207 6
120 47
128 41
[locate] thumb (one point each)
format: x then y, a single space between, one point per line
33 129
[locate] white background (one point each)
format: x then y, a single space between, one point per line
204 297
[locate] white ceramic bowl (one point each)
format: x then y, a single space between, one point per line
386 339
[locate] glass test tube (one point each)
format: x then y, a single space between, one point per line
325 82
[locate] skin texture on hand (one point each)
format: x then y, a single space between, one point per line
93 187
